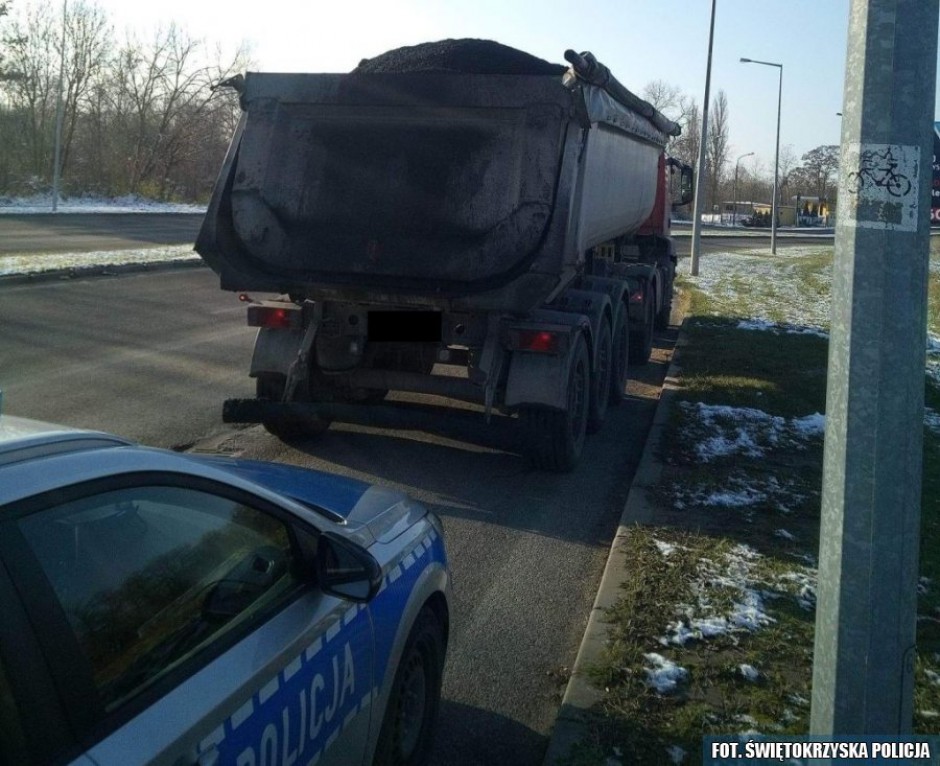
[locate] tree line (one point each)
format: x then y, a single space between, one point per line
139 116
812 175
142 116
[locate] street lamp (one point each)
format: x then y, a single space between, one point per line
734 193
700 167
773 206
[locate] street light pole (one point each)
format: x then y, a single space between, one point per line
773 204
734 193
700 170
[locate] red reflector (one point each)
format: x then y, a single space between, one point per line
636 297
536 340
272 317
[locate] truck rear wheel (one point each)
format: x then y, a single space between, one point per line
600 391
620 356
554 440
662 318
641 344
271 387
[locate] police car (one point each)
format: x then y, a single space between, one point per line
183 609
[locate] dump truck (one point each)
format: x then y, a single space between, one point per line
495 238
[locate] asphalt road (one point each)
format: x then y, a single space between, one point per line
153 355
78 232
149 356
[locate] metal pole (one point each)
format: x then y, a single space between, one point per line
863 670
773 222
773 202
56 170
700 171
773 211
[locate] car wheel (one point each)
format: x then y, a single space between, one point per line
271 387
408 727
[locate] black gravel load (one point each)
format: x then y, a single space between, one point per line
467 55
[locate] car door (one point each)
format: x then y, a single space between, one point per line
182 624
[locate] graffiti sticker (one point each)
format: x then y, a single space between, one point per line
880 186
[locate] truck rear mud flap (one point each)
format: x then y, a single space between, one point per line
502 432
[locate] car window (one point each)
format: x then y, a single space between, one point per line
149 576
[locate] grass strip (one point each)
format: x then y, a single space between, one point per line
721 593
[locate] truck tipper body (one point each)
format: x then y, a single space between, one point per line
510 227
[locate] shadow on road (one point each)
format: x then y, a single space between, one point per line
471 736
444 467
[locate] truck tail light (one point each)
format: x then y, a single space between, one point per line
637 296
539 341
274 317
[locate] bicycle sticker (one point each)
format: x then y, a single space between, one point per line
880 186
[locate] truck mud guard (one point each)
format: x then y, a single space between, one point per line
275 351
541 379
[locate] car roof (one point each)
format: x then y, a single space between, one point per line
26 439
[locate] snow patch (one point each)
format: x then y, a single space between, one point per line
42 203
749 672
777 328
809 426
663 675
666 549
36 264
722 431
742 493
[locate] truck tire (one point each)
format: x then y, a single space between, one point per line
554 440
270 386
407 731
665 311
641 344
600 390
620 357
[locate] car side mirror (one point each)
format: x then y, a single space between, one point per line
346 570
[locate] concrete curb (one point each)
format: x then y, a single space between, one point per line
580 695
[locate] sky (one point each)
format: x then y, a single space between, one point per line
640 40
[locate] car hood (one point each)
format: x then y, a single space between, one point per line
339 498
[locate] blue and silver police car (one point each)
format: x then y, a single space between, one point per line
181 609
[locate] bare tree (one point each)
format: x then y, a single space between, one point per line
818 166
87 47
164 116
32 95
663 96
35 54
6 73
673 103
685 146
717 146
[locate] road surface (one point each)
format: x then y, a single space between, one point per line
152 356
77 232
